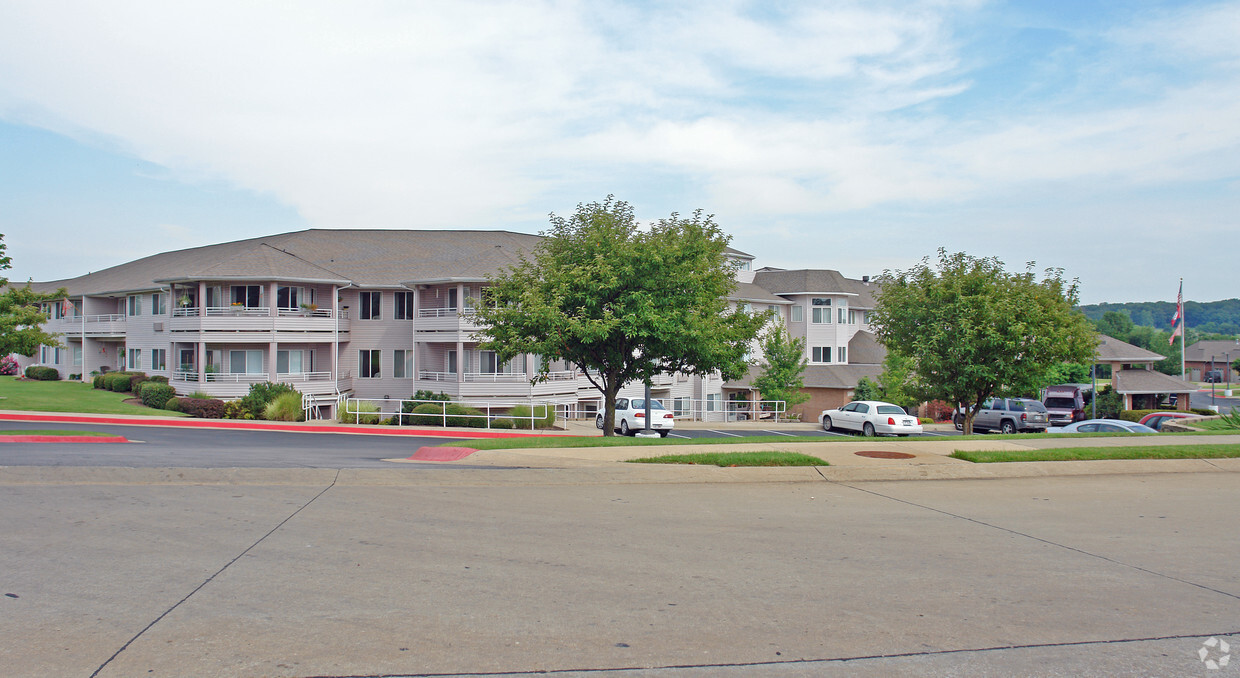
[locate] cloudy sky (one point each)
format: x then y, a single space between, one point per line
1101 137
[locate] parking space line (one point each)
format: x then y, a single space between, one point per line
723 433
677 435
779 433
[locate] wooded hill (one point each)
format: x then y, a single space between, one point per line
1219 317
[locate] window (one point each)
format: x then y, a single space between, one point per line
842 316
680 406
289 362
402 360
491 364
135 359
714 402
822 354
245 362
404 306
798 314
451 362
370 305
247 296
842 354
822 310
290 298
159 359
56 355
134 305
745 307
368 361
159 304
77 355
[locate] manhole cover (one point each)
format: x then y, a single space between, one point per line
880 454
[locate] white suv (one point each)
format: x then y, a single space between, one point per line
631 417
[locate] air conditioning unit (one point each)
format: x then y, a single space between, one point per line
159 327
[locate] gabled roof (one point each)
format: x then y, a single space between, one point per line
864 349
1149 381
367 258
1112 350
750 292
1203 350
816 281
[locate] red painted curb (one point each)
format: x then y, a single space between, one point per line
63 439
271 426
441 453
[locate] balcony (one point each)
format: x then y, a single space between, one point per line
497 384
235 385
108 325
257 324
446 320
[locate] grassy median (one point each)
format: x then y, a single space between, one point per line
1095 453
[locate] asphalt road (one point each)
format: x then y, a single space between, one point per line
212 448
339 575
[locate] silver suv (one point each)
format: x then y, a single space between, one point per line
1008 415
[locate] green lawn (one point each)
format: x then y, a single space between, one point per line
69 396
736 459
1093 453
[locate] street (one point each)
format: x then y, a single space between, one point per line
316 572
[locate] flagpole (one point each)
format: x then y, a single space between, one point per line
1184 331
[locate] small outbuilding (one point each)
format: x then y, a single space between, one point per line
1134 378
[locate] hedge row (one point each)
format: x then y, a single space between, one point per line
41 373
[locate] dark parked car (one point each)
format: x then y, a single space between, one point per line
1213 377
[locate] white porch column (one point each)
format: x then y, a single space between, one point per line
201 346
272 351
202 299
413 334
271 302
460 362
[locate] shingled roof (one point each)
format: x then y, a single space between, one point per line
816 281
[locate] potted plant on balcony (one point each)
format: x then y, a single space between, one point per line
237 308
183 300
309 309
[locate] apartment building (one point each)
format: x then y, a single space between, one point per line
380 314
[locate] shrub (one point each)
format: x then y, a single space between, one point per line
199 395
42 373
203 408
285 407
8 366
116 381
359 411
98 381
155 395
466 417
235 409
159 378
1203 411
255 402
136 378
431 414
521 413
173 404
503 422
428 395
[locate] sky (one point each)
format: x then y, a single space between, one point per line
1098 137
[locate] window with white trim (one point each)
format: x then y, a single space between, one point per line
135 359
247 296
289 362
77 355
159 304
842 354
368 362
798 314
822 354
402 360
821 311
404 306
370 305
159 359
133 305
245 362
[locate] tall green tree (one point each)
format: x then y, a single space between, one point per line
622 303
783 375
971 330
21 319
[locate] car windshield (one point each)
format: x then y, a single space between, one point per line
640 404
1062 403
1026 406
890 409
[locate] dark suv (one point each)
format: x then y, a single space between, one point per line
1213 377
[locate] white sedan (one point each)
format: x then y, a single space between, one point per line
631 417
871 417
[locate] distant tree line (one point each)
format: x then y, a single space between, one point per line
1211 317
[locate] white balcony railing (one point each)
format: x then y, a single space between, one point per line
247 378
107 318
494 377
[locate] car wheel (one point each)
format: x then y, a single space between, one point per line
959 422
598 422
868 430
624 427
826 423
663 434
1007 427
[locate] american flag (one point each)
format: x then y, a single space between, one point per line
1177 323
